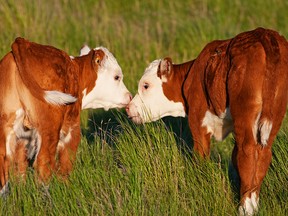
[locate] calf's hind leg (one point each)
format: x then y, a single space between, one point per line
20 160
7 147
2 158
3 164
67 148
264 152
45 161
245 159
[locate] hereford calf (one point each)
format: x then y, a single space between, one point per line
42 93
238 85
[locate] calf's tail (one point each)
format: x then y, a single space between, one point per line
52 97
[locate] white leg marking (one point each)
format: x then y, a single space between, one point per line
250 205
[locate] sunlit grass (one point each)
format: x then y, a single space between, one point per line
127 169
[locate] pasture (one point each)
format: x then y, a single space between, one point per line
127 169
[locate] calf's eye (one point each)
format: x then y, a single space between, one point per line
145 86
117 77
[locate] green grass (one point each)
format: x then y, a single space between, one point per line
124 169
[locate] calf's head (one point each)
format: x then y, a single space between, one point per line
157 94
109 90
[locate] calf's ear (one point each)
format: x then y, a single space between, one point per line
98 57
84 50
165 69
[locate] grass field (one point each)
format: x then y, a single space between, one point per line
124 169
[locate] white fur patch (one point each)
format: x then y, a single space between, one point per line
219 127
250 205
90 103
10 143
59 98
68 137
265 129
18 125
84 50
64 138
152 68
262 130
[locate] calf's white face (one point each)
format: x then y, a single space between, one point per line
109 90
150 103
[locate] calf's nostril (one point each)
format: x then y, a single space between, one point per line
130 96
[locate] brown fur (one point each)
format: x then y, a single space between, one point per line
25 73
248 74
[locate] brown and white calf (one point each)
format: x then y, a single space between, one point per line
42 93
238 85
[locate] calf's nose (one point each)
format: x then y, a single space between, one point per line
130 96
127 109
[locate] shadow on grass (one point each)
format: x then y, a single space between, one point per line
101 124
106 125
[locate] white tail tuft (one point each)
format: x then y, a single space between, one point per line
59 98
